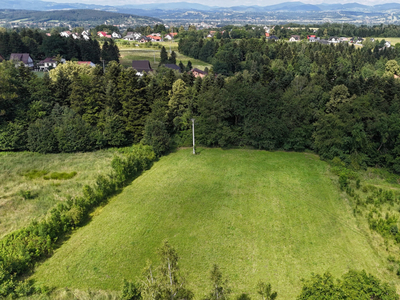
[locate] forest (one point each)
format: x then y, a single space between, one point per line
41 46
338 101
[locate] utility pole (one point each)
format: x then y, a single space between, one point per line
104 68
194 151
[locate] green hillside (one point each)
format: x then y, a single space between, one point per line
259 215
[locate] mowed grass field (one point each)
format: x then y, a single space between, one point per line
274 216
141 53
392 40
23 172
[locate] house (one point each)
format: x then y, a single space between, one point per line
108 36
65 33
89 63
102 34
86 35
24 58
155 38
313 36
76 36
129 37
359 40
372 39
343 39
333 40
313 39
168 37
273 37
266 34
141 66
294 38
145 39
387 44
173 67
49 62
48 34
116 35
198 73
323 42
174 34
156 34
132 36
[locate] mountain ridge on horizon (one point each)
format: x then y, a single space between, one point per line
182 5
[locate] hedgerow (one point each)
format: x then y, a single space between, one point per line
22 249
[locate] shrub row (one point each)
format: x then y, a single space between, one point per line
20 250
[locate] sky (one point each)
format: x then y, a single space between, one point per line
221 2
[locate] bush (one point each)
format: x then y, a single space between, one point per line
130 291
353 285
60 176
27 195
33 174
343 181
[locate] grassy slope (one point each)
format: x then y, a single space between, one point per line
259 215
16 212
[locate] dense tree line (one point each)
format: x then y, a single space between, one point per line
76 110
40 46
338 100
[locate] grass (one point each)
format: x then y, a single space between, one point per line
259 215
152 54
392 40
25 193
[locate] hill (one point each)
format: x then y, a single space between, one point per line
259 215
73 15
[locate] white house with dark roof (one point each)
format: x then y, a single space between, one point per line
49 62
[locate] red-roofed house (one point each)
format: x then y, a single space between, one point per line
311 36
89 63
109 36
266 34
173 34
155 38
101 33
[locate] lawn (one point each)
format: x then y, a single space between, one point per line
274 216
392 40
25 194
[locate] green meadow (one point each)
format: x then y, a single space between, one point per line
32 183
274 216
153 55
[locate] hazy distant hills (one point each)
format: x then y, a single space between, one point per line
73 15
151 9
